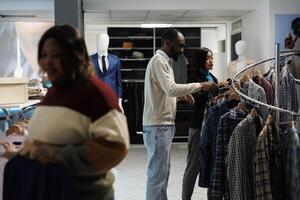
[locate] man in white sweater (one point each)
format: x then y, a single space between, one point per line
160 111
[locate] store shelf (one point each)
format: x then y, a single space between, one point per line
130 70
133 80
134 59
185 38
134 48
132 38
21 105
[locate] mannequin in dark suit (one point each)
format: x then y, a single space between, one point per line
111 72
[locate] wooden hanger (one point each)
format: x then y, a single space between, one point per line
241 106
269 120
245 78
253 112
257 74
233 96
291 124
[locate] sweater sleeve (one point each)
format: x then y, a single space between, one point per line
165 77
106 146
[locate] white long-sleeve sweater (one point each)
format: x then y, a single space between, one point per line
161 91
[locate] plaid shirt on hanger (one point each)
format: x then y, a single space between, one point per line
291 164
261 168
239 161
227 124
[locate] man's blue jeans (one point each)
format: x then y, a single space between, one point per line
158 140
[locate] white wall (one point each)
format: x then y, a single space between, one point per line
91 36
209 39
259 27
256 32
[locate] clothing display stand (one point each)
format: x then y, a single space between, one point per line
278 54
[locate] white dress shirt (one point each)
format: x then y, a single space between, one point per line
100 61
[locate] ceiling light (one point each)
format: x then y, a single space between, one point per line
155 25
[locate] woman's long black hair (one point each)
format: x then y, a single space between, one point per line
199 58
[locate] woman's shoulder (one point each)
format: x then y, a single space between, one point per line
197 77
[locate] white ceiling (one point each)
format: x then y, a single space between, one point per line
133 11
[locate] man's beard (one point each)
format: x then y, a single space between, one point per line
174 55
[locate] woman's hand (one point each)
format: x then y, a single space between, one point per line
40 151
208 86
10 149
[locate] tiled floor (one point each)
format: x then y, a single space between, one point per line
131 175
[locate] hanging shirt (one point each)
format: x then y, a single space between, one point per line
291 161
258 93
239 161
267 87
227 124
207 143
287 94
180 69
262 178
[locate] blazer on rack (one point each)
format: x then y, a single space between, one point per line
113 74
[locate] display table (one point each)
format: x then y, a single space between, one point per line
21 106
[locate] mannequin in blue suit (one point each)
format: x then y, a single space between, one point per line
111 72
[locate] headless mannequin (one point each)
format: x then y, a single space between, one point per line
241 62
103 42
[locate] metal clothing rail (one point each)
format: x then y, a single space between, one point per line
276 58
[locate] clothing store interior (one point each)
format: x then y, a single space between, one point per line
200 100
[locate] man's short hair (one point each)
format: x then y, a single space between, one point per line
294 22
170 34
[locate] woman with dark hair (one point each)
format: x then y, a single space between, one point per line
78 124
202 62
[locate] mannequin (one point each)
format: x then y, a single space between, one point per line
111 72
241 62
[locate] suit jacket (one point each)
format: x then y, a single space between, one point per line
113 74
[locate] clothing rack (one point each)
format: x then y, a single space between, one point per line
19 114
285 53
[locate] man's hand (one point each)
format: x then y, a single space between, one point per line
222 84
208 86
187 98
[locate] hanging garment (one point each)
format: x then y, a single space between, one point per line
227 124
180 69
291 164
287 94
268 178
267 88
258 93
239 162
207 143
262 179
